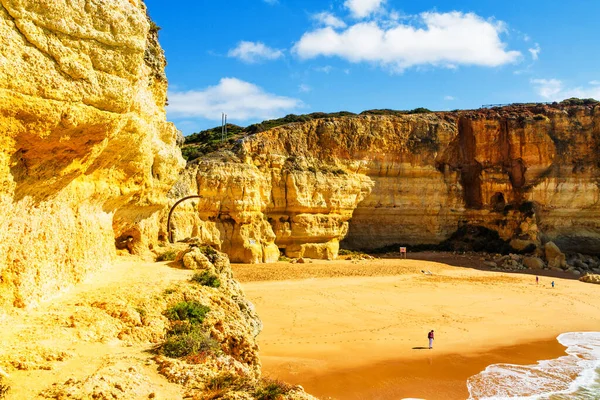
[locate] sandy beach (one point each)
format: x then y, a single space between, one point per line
358 329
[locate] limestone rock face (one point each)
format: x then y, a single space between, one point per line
252 209
86 154
529 173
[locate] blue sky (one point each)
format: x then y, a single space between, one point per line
260 59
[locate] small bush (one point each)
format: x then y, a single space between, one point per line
272 389
218 386
191 311
206 278
227 380
208 251
420 110
188 341
154 28
167 256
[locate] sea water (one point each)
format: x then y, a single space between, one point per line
574 376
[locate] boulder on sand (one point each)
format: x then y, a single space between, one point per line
554 256
533 263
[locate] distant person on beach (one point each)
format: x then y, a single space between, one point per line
537 280
430 337
552 283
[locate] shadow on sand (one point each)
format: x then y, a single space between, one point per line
420 348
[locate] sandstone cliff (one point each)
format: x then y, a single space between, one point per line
86 153
528 172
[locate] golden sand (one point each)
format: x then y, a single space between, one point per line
358 330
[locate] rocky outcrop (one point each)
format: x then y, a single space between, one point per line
528 172
86 154
590 278
118 337
233 324
252 209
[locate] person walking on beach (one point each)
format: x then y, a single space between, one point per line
430 337
537 280
552 283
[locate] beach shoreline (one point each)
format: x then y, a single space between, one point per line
431 375
353 330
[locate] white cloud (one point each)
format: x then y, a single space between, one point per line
547 88
554 90
363 8
271 2
535 51
594 83
326 69
304 88
449 98
395 16
328 19
239 99
252 52
448 39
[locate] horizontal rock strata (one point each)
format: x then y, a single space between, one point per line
528 172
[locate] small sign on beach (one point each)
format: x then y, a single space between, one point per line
403 252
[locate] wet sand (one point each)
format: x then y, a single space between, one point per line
430 376
355 330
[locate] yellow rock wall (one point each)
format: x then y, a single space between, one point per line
252 209
531 173
86 154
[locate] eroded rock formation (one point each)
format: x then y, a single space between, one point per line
86 153
530 173
251 209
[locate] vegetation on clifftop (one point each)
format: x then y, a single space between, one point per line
210 140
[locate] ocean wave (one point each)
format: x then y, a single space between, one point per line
574 376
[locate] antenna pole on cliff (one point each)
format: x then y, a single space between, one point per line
222 126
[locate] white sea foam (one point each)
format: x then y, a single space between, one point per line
574 376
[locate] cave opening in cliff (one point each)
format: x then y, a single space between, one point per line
498 202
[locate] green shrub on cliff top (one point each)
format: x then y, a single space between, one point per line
206 278
208 251
191 311
167 256
272 389
188 340
218 386
186 336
